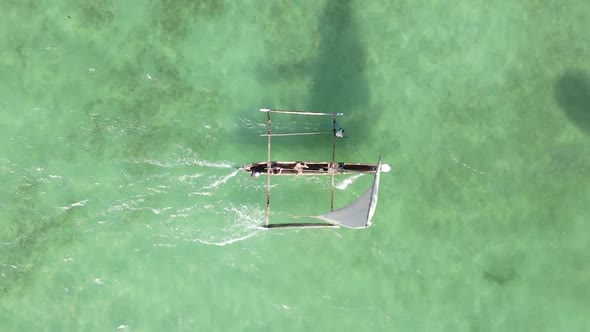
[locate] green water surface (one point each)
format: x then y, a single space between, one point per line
121 122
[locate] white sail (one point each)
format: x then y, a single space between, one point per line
359 213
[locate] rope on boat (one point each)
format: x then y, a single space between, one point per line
357 150
335 124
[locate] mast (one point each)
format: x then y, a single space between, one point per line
333 160
268 162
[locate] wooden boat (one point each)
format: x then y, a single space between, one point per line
358 214
308 168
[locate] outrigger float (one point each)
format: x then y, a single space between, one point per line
357 214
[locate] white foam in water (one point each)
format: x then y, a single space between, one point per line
159 211
227 241
184 162
344 184
201 193
214 164
244 223
213 186
183 178
80 203
222 180
458 161
217 222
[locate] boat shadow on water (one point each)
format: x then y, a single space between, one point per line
335 75
339 71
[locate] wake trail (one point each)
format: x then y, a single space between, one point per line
206 220
184 162
225 242
460 162
208 190
242 222
222 180
344 184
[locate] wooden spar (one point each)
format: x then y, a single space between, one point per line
298 112
334 138
333 160
298 134
268 123
302 225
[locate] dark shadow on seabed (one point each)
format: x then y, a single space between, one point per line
572 92
339 82
338 79
335 75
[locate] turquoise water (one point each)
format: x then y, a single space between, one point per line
121 123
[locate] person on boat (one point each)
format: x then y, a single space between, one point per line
299 167
340 133
277 170
255 173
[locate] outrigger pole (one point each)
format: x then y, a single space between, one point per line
333 160
298 134
297 112
268 124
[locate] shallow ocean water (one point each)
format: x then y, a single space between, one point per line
121 125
